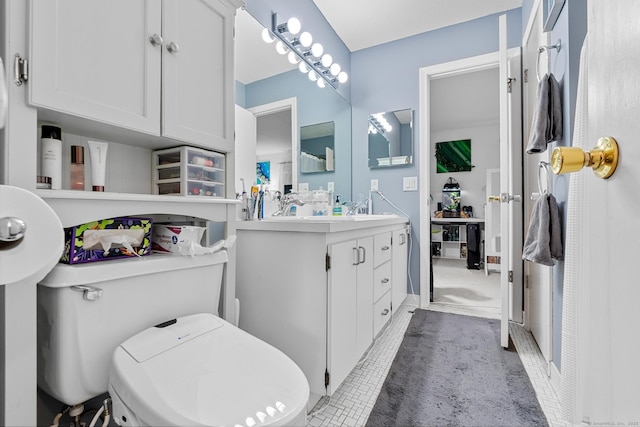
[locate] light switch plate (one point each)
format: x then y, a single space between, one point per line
330 186
410 183
303 186
374 185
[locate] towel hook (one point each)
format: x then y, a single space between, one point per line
545 167
545 49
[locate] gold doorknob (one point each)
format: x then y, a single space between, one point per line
603 158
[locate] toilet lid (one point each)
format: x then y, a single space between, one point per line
201 370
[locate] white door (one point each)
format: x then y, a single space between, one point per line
245 150
23 262
608 343
510 186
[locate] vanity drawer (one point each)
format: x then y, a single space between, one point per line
381 280
381 313
381 248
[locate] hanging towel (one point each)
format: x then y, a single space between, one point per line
547 115
543 243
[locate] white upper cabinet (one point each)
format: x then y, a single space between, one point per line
161 68
197 72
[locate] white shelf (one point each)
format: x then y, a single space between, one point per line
79 207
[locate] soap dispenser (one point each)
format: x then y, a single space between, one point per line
337 208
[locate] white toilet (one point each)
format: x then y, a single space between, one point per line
147 331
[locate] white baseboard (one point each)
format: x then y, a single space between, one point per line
555 378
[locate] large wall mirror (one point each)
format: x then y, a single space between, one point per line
391 138
319 111
317 148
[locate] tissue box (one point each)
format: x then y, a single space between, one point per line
174 239
75 251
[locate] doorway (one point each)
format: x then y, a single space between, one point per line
464 114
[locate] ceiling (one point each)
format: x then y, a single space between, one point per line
379 21
382 21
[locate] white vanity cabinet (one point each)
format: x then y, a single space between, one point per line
350 275
307 287
381 281
163 68
399 267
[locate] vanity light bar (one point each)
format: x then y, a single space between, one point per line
318 66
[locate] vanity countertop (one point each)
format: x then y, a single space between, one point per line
321 224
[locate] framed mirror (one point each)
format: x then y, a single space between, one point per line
391 138
317 148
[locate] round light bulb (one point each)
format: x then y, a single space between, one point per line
305 39
281 48
312 76
317 50
293 25
304 69
343 77
293 58
267 37
326 60
335 69
320 83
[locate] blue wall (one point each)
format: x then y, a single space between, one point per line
385 78
570 29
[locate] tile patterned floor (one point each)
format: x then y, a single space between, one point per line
351 404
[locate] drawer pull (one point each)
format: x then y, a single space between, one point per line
385 312
385 248
385 280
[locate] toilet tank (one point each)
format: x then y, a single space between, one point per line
86 311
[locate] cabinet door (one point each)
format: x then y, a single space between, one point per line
341 345
197 72
365 296
399 258
93 59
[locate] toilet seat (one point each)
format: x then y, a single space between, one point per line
201 370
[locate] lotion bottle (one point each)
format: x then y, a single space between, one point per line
52 155
77 167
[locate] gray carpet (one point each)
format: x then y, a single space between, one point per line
450 370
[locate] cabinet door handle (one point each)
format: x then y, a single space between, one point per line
385 248
385 312
356 257
155 40
385 280
363 252
173 47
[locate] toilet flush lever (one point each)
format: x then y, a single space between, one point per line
89 293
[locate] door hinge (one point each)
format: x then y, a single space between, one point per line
510 276
20 70
510 81
525 75
326 378
327 262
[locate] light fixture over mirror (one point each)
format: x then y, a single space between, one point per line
390 138
313 60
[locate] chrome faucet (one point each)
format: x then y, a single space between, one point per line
356 208
286 202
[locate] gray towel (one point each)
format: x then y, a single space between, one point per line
546 126
543 243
